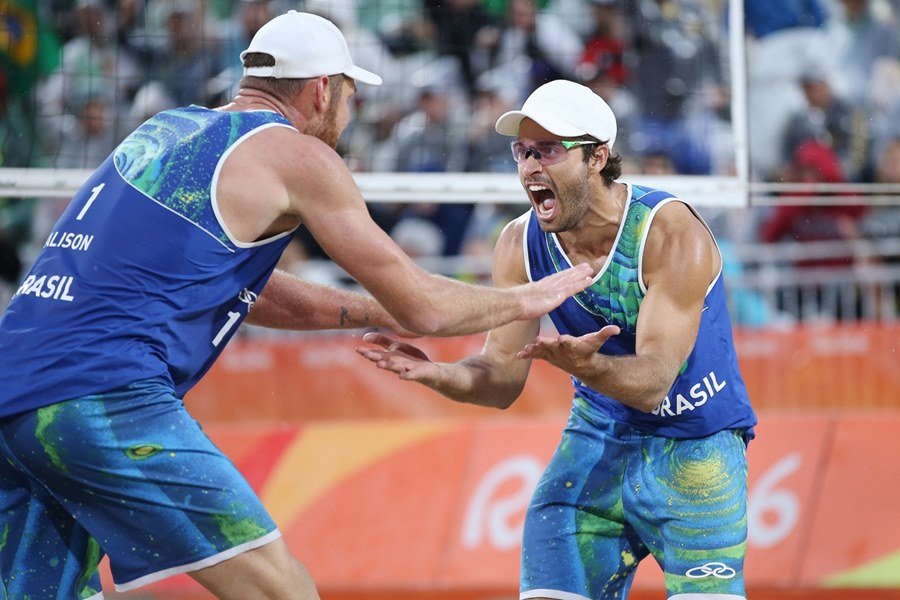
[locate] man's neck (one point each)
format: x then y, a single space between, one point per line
593 239
250 99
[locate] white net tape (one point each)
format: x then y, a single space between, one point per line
498 188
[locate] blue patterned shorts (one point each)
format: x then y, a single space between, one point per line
613 494
129 474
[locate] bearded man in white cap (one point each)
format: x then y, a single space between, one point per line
145 278
652 460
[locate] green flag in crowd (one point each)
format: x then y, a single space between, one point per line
29 46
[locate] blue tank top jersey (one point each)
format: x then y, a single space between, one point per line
709 393
139 279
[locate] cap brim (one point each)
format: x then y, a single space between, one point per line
357 74
508 124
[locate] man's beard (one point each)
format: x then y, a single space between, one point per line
576 205
329 132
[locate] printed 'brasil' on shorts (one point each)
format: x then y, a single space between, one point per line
612 494
129 474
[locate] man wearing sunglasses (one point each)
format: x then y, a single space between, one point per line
653 458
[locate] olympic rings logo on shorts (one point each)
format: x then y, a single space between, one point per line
716 569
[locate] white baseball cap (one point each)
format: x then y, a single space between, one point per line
564 108
304 45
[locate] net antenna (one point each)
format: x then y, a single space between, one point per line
739 114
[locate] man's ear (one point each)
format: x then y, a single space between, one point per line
599 156
323 93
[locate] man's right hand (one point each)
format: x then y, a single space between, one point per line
542 296
406 360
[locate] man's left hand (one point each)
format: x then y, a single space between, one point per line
569 353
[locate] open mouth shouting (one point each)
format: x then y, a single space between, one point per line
543 198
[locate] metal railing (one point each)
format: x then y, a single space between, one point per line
767 284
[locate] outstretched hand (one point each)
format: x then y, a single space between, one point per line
406 360
542 296
571 354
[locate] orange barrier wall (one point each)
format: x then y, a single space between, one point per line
321 377
403 508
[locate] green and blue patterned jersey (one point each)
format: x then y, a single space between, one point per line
709 394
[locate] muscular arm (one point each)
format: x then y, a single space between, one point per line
288 302
327 200
493 378
680 261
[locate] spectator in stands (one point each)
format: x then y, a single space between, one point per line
477 250
88 136
747 306
190 59
603 67
814 162
249 17
17 135
372 28
428 142
768 17
24 59
377 144
129 14
784 36
418 238
92 64
149 100
15 213
829 119
858 39
604 46
467 32
657 161
884 221
10 263
607 83
538 46
888 165
402 25
884 104
486 151
677 60
675 56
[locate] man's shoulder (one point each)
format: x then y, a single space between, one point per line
292 150
509 247
678 237
515 230
677 219
521 222
650 196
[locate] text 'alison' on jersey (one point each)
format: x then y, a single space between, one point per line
69 240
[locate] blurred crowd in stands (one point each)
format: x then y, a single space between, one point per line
823 94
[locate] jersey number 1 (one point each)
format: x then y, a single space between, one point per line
95 191
232 319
